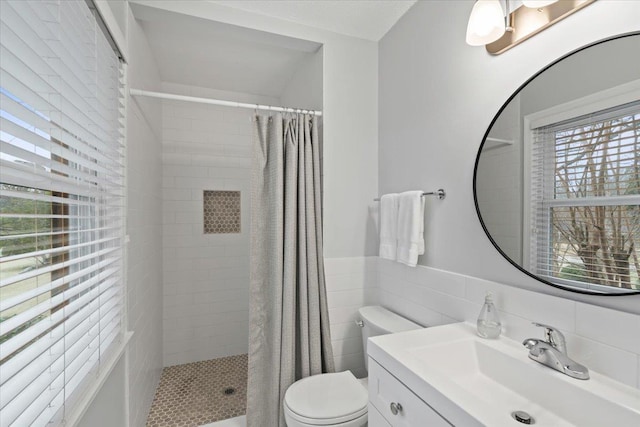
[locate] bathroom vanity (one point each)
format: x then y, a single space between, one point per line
447 375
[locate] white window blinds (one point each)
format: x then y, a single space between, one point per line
61 207
585 200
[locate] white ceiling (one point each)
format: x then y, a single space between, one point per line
205 53
367 19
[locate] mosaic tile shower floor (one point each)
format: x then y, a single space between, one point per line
197 393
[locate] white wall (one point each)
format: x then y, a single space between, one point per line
108 408
437 98
304 90
499 182
144 226
206 276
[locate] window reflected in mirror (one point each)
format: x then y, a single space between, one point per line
557 179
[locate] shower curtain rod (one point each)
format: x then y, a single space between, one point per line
139 92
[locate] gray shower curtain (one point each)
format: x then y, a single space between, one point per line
289 334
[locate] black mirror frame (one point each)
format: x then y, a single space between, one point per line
475 173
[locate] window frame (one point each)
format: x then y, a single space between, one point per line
74 407
598 101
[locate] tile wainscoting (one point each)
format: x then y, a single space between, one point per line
605 340
351 283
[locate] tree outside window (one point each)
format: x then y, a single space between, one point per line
589 209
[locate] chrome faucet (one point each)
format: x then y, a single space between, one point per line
553 353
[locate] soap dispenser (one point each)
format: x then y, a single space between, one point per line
489 325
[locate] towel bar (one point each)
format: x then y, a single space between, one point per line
439 192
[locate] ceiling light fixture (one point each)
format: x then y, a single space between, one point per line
486 23
489 25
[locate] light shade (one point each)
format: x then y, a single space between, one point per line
537 3
486 23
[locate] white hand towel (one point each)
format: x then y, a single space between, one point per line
389 226
410 227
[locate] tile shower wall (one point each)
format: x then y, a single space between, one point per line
206 276
351 284
605 340
144 227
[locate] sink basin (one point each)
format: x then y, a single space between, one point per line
472 381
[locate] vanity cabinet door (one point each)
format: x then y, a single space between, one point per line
397 404
375 418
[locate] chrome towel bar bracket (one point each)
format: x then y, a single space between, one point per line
439 192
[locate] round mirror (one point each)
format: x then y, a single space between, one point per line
557 177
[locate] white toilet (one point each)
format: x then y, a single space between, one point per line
340 399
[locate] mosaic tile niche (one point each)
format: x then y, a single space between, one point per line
221 212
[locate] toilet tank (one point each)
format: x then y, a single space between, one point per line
376 320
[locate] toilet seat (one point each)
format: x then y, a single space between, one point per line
326 399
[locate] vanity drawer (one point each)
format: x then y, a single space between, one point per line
385 390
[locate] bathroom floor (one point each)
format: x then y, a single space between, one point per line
199 393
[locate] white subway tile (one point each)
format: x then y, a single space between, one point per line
221 295
173 194
172 359
243 139
517 328
194 218
347 346
237 115
346 298
169 122
221 173
392 302
185 169
241 185
168 218
340 331
371 296
421 315
202 183
613 362
219 329
454 307
176 229
390 268
167 182
342 283
446 320
343 314
438 280
208 126
351 362
557 312
238 151
344 266
615 328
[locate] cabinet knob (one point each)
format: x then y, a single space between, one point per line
395 408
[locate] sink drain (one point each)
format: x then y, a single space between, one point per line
229 391
522 417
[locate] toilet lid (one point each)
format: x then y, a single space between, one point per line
327 397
